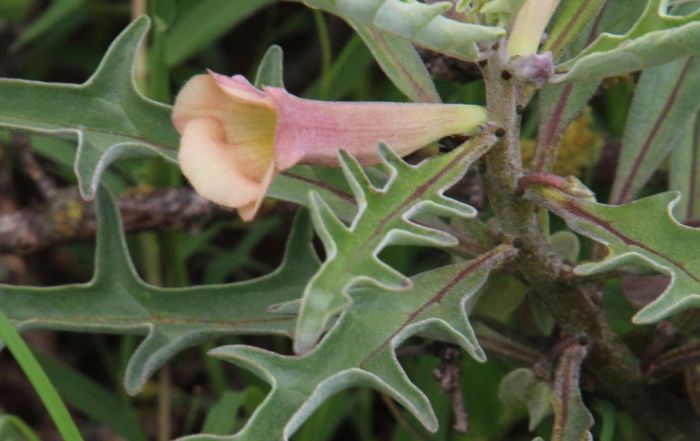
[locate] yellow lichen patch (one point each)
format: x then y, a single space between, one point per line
68 216
75 210
580 147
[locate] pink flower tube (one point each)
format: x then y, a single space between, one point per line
237 138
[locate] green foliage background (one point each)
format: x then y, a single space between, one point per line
175 333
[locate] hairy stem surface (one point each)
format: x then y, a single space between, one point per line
613 365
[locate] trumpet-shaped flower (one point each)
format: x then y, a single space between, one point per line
236 138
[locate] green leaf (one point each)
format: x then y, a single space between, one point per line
326 420
52 16
295 184
521 386
571 19
204 22
640 235
572 420
359 349
423 24
664 102
502 296
37 377
558 105
223 415
400 62
656 38
497 11
385 216
107 115
92 399
15 10
684 173
565 245
388 27
618 17
608 417
14 429
629 429
347 71
116 300
271 68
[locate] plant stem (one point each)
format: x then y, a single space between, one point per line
611 362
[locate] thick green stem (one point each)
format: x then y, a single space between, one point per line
615 368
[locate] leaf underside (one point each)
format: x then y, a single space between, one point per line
665 100
655 38
107 115
116 300
641 235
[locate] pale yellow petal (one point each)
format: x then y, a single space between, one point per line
250 129
249 211
240 89
217 170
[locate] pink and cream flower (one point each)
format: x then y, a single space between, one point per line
236 138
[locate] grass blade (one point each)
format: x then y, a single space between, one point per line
41 383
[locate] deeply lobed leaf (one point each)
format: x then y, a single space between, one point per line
116 300
640 235
359 349
107 115
424 24
384 217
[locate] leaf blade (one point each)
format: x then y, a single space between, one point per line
187 35
383 217
116 300
660 111
640 235
121 121
359 350
39 380
656 38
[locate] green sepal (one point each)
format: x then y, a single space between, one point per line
572 419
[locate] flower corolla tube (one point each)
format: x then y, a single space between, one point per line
235 138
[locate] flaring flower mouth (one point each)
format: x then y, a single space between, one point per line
236 138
